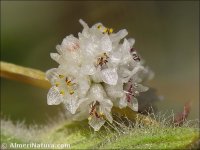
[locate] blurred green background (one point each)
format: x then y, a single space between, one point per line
166 33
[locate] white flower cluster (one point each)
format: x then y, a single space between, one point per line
95 73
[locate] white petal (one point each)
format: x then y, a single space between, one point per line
135 71
109 76
52 75
147 74
96 77
133 104
114 91
105 107
83 23
81 115
140 88
70 69
106 44
54 97
56 57
88 69
108 117
96 92
96 123
122 33
115 58
125 74
89 48
123 102
70 43
125 46
106 104
119 35
131 42
60 50
85 32
72 103
84 85
125 52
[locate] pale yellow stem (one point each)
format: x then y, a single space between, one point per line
24 74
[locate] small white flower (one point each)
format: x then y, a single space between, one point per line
131 91
68 87
95 72
99 111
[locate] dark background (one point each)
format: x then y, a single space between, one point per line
166 33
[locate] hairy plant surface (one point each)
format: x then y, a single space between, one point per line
123 134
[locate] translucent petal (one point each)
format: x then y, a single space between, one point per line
123 102
89 48
108 117
52 75
73 58
106 44
70 69
131 42
133 104
136 70
126 46
96 123
96 26
109 76
54 97
105 108
125 52
119 35
135 78
114 91
84 85
97 92
127 58
83 23
60 50
125 74
146 74
106 105
115 58
88 69
81 115
140 88
56 57
70 43
96 77
72 103
150 73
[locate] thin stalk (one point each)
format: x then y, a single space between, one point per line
24 74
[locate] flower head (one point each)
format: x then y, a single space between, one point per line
95 72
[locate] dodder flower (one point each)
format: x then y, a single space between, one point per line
95 72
